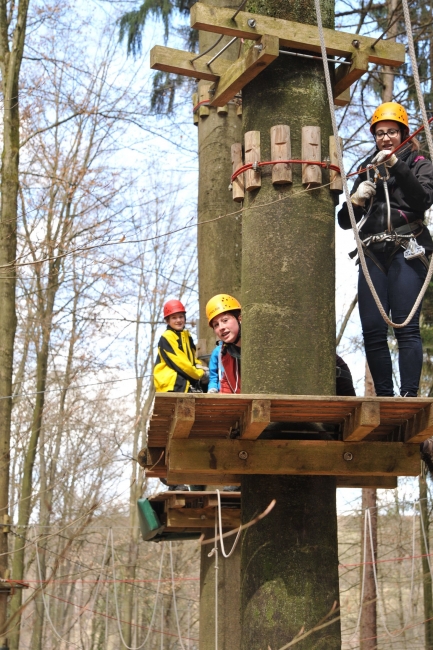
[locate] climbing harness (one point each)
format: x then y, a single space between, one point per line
346 187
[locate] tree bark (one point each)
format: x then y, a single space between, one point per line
289 562
425 550
11 52
219 243
388 75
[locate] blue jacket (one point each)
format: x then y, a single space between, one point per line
214 370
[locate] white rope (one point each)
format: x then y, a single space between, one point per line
347 194
223 551
47 611
174 598
415 73
412 576
162 622
119 626
363 559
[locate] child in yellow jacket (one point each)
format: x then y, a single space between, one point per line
176 367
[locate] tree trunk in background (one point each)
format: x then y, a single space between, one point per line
425 550
368 626
388 75
219 243
228 598
219 262
289 561
10 65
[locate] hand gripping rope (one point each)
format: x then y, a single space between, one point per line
347 193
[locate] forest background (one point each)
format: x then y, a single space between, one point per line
106 234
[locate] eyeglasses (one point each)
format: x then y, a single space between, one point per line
391 133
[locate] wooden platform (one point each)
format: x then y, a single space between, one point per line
188 513
213 439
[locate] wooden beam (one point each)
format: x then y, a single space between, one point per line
242 71
420 427
343 99
202 518
364 419
183 418
168 59
255 419
319 457
377 482
345 76
294 35
193 478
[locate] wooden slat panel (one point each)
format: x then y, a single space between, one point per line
364 419
202 518
420 427
293 35
294 457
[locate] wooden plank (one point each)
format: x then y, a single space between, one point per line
377 482
281 150
183 419
255 419
362 421
253 179
420 427
246 68
336 183
311 150
202 518
294 35
191 478
168 59
237 162
294 457
345 75
175 501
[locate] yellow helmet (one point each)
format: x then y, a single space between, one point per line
389 111
219 304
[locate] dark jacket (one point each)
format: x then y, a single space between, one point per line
410 193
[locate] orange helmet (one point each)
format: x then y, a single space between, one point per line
173 307
389 111
219 304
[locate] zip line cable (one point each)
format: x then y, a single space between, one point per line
358 240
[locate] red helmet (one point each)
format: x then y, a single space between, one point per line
173 307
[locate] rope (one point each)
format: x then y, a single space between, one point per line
223 551
347 195
415 73
214 551
247 166
116 600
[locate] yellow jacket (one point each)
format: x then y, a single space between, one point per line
175 363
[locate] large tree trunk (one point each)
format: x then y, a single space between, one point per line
425 550
289 562
368 626
219 243
10 65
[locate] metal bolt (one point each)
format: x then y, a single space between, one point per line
243 455
258 47
356 43
348 455
202 516
251 23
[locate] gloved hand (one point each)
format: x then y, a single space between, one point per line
213 390
204 380
380 158
365 191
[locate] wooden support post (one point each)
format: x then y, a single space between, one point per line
281 150
237 162
299 457
253 179
183 418
242 71
294 35
168 59
311 150
345 76
194 104
362 421
336 184
203 96
256 419
420 427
